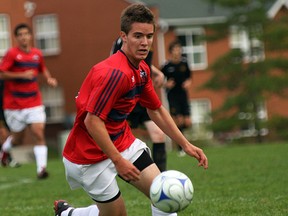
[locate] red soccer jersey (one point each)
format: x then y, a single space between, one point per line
110 91
22 93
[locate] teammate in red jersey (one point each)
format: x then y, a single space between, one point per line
101 145
22 102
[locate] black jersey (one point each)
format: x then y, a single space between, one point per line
180 72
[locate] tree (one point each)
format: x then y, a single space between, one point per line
249 74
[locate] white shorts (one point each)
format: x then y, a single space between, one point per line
99 180
17 120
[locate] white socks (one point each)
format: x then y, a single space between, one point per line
7 145
157 212
87 211
41 154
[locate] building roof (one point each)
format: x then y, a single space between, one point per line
198 12
182 12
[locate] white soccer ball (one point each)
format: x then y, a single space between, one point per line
171 191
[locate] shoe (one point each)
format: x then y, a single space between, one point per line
14 164
43 174
60 206
181 153
4 156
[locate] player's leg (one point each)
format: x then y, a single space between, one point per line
99 182
35 118
159 148
17 127
146 177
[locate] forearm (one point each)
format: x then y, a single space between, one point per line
99 133
6 75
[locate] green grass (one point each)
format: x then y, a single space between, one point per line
241 180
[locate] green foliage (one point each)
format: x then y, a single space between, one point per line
249 82
279 127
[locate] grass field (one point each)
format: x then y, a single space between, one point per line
241 180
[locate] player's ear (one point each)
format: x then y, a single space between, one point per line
123 36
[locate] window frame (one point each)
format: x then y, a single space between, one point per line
6 35
189 49
46 34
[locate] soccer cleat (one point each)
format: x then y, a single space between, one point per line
43 174
7 160
4 158
60 206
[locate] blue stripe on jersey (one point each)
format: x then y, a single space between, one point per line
113 137
108 90
24 94
25 80
136 91
26 64
116 116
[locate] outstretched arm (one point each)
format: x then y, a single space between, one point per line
163 119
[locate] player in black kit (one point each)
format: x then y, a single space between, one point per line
179 79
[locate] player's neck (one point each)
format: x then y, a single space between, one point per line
26 49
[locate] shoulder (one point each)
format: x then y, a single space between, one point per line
36 51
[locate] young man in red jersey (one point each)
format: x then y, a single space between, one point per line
22 102
101 145
139 115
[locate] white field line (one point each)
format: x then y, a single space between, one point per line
4 186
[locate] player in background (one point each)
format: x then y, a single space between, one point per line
179 79
100 145
22 103
139 115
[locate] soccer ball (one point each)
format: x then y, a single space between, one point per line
171 191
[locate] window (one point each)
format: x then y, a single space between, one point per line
251 47
47 34
194 47
4 34
53 99
200 116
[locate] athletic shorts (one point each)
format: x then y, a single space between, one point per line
138 116
99 180
178 105
17 120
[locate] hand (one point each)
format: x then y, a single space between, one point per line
170 83
198 154
158 80
28 74
186 84
127 170
52 82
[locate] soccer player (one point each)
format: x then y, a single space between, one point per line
101 145
22 102
179 78
139 115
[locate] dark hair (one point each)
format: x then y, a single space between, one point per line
21 26
174 44
136 13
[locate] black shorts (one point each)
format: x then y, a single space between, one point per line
178 104
138 116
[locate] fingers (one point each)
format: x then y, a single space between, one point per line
203 161
133 175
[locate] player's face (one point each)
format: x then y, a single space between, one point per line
176 52
137 43
23 37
